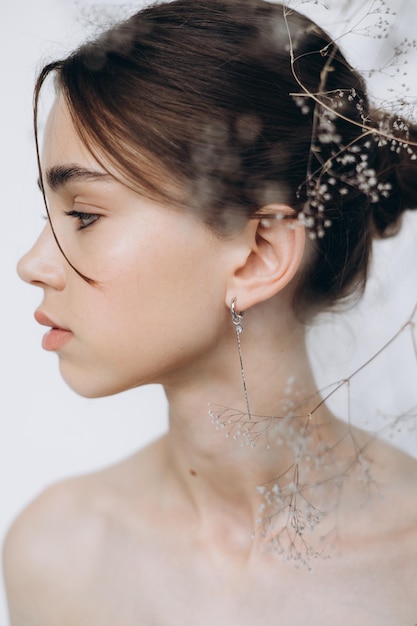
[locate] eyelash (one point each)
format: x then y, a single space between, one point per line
90 218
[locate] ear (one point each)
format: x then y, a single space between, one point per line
271 253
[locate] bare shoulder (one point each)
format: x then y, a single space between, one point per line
392 465
395 510
53 549
399 508
43 547
383 489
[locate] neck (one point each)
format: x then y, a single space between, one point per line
226 461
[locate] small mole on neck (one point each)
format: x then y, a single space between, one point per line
193 472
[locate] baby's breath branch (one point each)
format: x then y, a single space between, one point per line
292 501
238 424
412 327
318 96
394 424
326 166
316 116
410 323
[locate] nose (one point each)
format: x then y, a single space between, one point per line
43 264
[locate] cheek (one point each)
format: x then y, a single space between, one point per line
158 307
176 263
148 332
166 287
161 294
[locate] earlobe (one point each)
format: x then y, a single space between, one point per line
274 254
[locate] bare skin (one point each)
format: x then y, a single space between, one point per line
125 546
166 536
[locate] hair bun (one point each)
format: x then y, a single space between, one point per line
396 167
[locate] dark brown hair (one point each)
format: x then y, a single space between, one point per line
242 103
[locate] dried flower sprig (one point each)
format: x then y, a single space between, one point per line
310 488
338 168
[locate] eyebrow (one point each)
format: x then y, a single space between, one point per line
59 175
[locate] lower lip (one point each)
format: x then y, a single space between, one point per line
55 339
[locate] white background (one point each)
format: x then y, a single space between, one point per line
46 431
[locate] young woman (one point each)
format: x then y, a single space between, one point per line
214 178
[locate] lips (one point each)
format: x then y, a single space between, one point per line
44 320
56 337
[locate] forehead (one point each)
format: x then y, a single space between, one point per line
61 143
63 146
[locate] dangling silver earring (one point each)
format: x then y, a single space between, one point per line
237 319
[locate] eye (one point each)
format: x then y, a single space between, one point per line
84 219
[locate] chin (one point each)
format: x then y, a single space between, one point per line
88 386
90 382
88 391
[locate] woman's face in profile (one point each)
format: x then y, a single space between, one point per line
157 300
